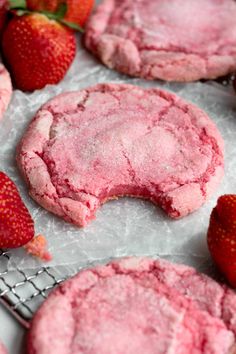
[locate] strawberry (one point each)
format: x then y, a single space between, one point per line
77 12
221 236
16 224
3 14
38 50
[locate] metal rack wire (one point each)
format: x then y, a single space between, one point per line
23 291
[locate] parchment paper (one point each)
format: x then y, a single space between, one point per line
127 226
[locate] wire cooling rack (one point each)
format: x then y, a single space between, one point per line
23 291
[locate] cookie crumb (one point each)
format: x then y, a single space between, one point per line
37 247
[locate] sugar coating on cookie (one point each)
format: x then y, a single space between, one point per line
128 307
171 40
84 148
5 90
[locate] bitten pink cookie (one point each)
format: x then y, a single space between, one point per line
5 90
172 40
127 307
2 349
86 147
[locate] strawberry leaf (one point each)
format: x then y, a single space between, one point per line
60 14
17 4
62 10
20 9
72 25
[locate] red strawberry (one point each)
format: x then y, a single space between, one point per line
77 12
221 236
16 224
3 14
37 50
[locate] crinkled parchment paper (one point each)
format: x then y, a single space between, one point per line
127 226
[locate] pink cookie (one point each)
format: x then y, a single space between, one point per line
172 40
5 89
2 349
124 308
86 147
